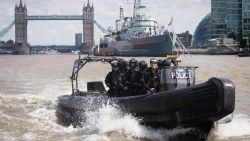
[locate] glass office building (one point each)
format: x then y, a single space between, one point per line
246 18
218 21
234 17
226 18
202 33
229 18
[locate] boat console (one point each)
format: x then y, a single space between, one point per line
177 77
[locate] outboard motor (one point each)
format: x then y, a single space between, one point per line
177 77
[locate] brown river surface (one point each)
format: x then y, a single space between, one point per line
30 85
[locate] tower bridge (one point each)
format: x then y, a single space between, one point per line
55 17
21 25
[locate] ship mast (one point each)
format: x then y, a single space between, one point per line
137 4
121 14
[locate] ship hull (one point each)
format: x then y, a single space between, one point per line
159 45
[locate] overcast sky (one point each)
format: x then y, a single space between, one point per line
186 14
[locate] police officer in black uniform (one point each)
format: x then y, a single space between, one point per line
127 66
176 61
166 63
111 80
143 87
159 64
132 77
154 76
122 78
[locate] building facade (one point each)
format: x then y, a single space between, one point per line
8 44
218 21
234 18
78 39
230 17
226 18
202 34
88 27
21 46
21 24
185 38
246 19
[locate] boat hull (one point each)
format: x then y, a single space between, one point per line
196 106
244 55
159 45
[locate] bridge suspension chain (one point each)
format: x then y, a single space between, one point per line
6 29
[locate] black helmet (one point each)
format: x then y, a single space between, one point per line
133 63
132 60
159 63
121 63
127 64
172 60
166 62
143 65
114 64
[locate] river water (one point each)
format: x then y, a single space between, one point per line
30 85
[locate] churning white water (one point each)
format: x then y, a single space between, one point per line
30 85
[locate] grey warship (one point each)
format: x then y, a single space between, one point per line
139 35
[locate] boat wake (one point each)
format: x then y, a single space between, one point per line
32 117
238 127
110 122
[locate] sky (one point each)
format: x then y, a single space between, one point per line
186 16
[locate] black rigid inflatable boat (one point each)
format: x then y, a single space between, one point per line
179 103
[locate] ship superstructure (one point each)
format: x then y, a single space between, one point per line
139 35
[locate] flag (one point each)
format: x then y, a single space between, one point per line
171 22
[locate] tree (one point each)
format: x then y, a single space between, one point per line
10 42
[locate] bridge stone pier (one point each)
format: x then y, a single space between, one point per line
21 26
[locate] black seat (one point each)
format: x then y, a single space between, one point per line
96 86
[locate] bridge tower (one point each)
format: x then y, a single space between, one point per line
88 27
21 46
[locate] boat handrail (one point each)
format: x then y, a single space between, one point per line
81 62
